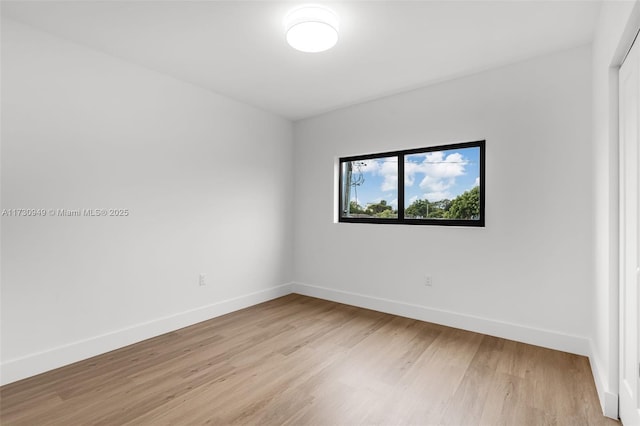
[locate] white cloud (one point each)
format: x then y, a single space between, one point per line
390 183
437 165
477 182
430 183
387 168
413 199
369 166
440 173
438 196
389 171
410 170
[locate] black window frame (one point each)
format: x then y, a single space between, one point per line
401 220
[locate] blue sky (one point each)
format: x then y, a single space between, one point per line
432 175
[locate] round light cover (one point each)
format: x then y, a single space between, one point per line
311 28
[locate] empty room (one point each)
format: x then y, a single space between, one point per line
324 213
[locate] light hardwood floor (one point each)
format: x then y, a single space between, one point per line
299 360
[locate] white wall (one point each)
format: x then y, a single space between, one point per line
614 34
207 181
527 275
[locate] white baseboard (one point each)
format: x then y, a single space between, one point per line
608 400
30 365
534 336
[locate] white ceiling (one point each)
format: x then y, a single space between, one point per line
238 48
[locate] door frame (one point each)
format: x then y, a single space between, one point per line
604 353
628 169
611 405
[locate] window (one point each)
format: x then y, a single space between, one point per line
441 185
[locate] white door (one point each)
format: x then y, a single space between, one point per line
629 237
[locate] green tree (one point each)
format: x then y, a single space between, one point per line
374 209
442 204
438 209
465 205
387 214
419 208
355 208
426 209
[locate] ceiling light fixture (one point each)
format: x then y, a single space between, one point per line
311 28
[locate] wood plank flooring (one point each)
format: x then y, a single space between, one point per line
298 360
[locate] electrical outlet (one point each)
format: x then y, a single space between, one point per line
428 281
202 280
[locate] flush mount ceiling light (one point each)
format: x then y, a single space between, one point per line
311 28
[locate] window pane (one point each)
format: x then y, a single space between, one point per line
370 188
443 184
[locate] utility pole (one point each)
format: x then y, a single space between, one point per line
346 190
